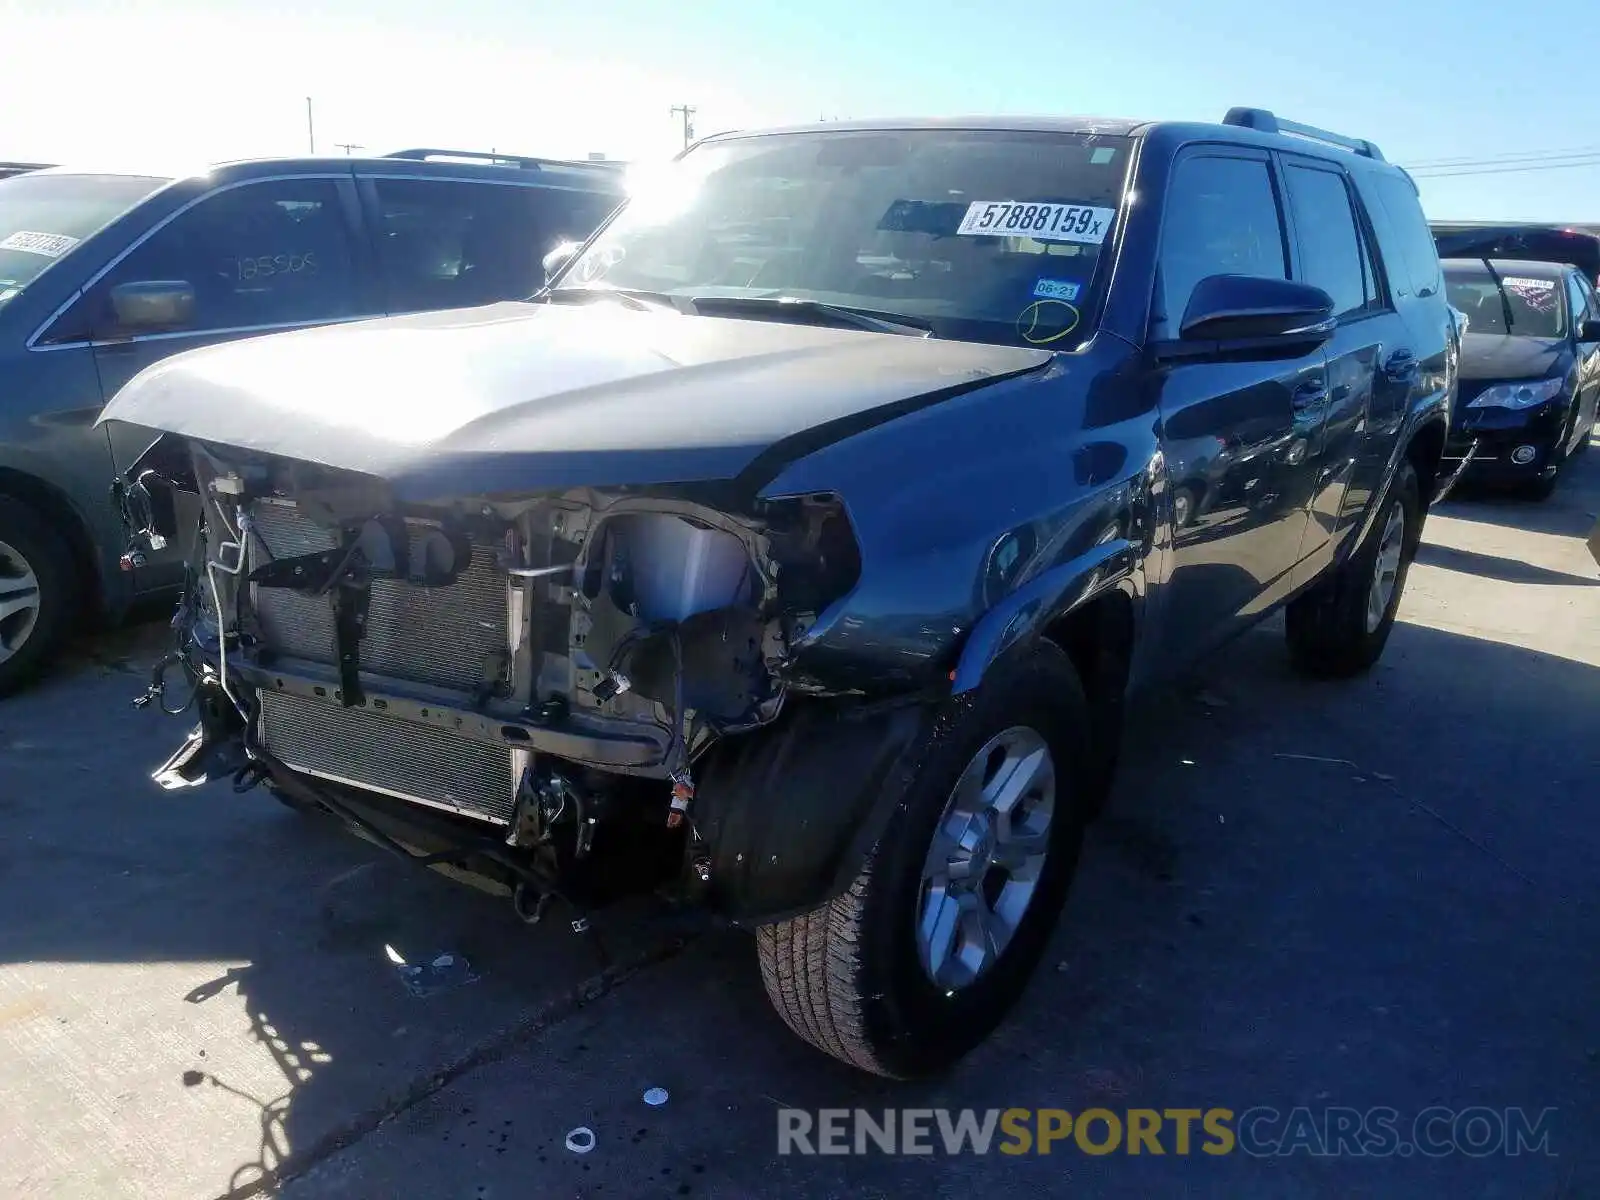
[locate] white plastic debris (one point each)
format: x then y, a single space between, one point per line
581 1140
655 1097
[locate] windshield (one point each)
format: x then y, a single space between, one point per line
43 217
985 235
1533 306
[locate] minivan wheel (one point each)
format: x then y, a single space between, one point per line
939 933
37 599
1340 626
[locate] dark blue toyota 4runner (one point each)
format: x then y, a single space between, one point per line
795 551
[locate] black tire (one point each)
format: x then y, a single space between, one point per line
45 554
1327 626
847 977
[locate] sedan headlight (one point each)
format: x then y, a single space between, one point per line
1517 395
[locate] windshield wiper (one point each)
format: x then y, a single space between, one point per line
813 312
634 298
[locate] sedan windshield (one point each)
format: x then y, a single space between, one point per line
1504 300
980 235
43 217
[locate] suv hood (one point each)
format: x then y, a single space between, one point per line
531 396
1498 356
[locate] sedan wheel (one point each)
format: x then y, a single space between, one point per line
19 601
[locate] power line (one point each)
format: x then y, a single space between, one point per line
1537 159
1592 161
1473 160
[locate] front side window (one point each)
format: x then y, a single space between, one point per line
1221 219
445 244
1577 301
1329 238
982 235
262 254
1501 299
44 217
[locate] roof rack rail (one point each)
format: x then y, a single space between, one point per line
495 158
1265 122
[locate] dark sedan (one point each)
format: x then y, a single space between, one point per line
1530 368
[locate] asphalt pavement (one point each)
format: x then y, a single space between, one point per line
1374 894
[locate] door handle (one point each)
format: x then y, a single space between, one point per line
1309 396
1400 367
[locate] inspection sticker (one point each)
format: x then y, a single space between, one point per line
1056 289
1041 222
51 245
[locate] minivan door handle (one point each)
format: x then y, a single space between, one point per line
1309 395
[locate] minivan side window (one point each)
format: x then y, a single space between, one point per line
445 244
1578 299
1419 255
1221 219
259 254
1332 251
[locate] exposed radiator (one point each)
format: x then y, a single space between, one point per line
389 755
445 636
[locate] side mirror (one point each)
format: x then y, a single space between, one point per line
1589 331
557 259
1250 308
152 306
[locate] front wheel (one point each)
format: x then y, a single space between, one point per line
1340 627
38 593
936 938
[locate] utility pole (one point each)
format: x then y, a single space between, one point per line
311 130
349 146
688 128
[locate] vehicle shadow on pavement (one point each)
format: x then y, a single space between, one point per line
204 979
1359 894
1494 566
1370 893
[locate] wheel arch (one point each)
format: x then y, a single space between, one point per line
56 508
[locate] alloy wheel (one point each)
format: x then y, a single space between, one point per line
19 600
987 855
1386 568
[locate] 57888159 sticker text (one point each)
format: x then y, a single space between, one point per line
1043 222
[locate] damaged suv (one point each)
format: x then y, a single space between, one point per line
794 551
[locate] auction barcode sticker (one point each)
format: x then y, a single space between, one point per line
51 245
1041 222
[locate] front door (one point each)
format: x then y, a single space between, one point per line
1585 308
1236 435
260 256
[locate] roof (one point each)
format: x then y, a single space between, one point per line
1518 266
1270 133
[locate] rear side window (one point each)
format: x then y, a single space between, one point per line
1221 219
445 244
1332 248
1419 257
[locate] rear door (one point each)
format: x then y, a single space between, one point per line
456 243
261 256
1333 251
1235 433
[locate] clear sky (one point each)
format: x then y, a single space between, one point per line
182 82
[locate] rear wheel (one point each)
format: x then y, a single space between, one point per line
937 936
38 593
1340 627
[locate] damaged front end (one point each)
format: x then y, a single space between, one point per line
517 689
